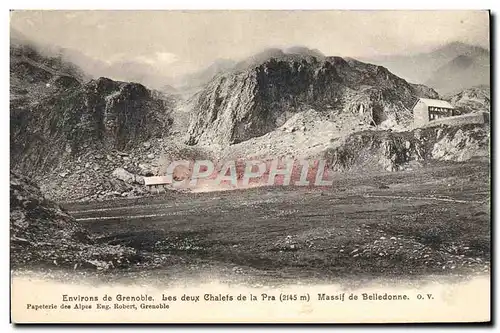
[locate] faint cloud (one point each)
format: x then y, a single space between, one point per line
155 59
166 57
117 57
158 58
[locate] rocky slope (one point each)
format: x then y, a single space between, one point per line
265 91
67 134
43 234
472 100
99 115
394 151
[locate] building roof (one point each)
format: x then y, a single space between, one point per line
436 103
156 180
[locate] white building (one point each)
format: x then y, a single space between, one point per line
427 110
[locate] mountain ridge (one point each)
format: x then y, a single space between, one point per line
461 73
259 95
419 68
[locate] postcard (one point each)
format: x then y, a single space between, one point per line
250 166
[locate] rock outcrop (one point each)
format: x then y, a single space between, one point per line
69 135
259 95
34 218
100 115
127 177
394 151
472 100
43 234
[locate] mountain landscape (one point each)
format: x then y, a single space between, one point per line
299 166
463 72
263 95
447 69
67 128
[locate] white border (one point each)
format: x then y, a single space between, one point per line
198 4
255 4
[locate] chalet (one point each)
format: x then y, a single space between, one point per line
156 181
427 110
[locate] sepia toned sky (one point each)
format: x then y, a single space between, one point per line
176 42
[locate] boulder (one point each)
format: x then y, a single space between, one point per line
145 170
127 177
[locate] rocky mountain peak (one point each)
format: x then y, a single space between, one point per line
267 89
106 86
56 117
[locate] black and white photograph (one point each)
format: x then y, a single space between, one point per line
250 166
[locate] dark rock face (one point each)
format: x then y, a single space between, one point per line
55 117
34 218
259 96
33 62
37 224
102 114
43 234
118 114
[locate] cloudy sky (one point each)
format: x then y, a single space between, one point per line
175 42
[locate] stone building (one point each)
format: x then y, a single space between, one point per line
427 110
